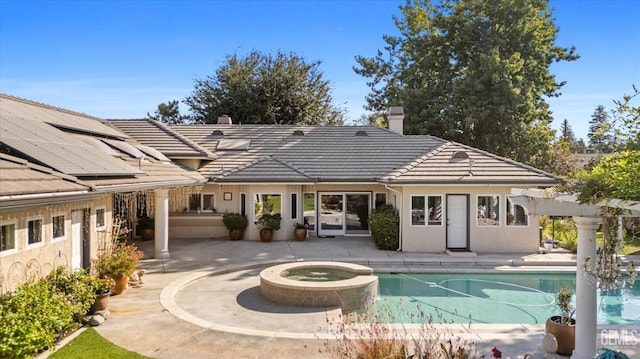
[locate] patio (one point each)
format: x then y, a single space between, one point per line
225 317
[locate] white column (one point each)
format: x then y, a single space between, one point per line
161 224
586 292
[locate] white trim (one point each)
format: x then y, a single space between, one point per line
26 227
64 227
499 212
426 210
297 203
257 195
13 250
507 199
104 226
201 209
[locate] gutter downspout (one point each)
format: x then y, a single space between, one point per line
386 186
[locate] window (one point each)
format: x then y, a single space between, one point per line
380 199
488 210
243 204
435 210
309 210
417 211
516 215
101 219
7 237
201 202
34 231
294 206
267 203
57 223
426 210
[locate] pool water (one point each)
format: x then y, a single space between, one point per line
493 298
318 274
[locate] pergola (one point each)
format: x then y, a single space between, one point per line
587 218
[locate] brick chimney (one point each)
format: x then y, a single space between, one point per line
396 119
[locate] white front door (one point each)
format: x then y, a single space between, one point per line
457 221
76 239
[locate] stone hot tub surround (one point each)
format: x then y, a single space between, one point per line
349 294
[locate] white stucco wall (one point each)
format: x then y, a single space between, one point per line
32 261
501 238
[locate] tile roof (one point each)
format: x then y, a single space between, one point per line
19 177
455 163
91 151
306 154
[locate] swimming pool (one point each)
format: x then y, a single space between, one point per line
491 298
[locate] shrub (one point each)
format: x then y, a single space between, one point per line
37 314
368 336
235 221
384 223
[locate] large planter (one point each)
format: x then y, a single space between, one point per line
101 303
147 234
266 234
300 234
565 334
121 281
236 234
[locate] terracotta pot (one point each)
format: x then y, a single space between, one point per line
565 334
266 234
300 234
101 303
121 281
147 234
236 234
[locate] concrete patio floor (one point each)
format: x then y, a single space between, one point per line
184 310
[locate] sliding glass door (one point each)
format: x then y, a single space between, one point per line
344 213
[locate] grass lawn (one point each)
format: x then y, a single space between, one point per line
89 344
631 245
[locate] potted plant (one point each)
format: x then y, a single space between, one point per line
563 326
268 223
117 263
236 223
102 289
299 231
146 226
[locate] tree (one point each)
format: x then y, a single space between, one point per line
266 89
628 117
601 132
567 136
169 113
471 71
566 133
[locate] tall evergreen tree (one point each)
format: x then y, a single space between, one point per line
266 89
472 71
601 132
566 133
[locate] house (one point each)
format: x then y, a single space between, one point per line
65 178
450 197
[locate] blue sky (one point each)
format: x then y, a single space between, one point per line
120 59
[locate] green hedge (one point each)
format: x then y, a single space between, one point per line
384 223
37 314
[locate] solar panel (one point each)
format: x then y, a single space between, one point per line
124 147
152 152
58 150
